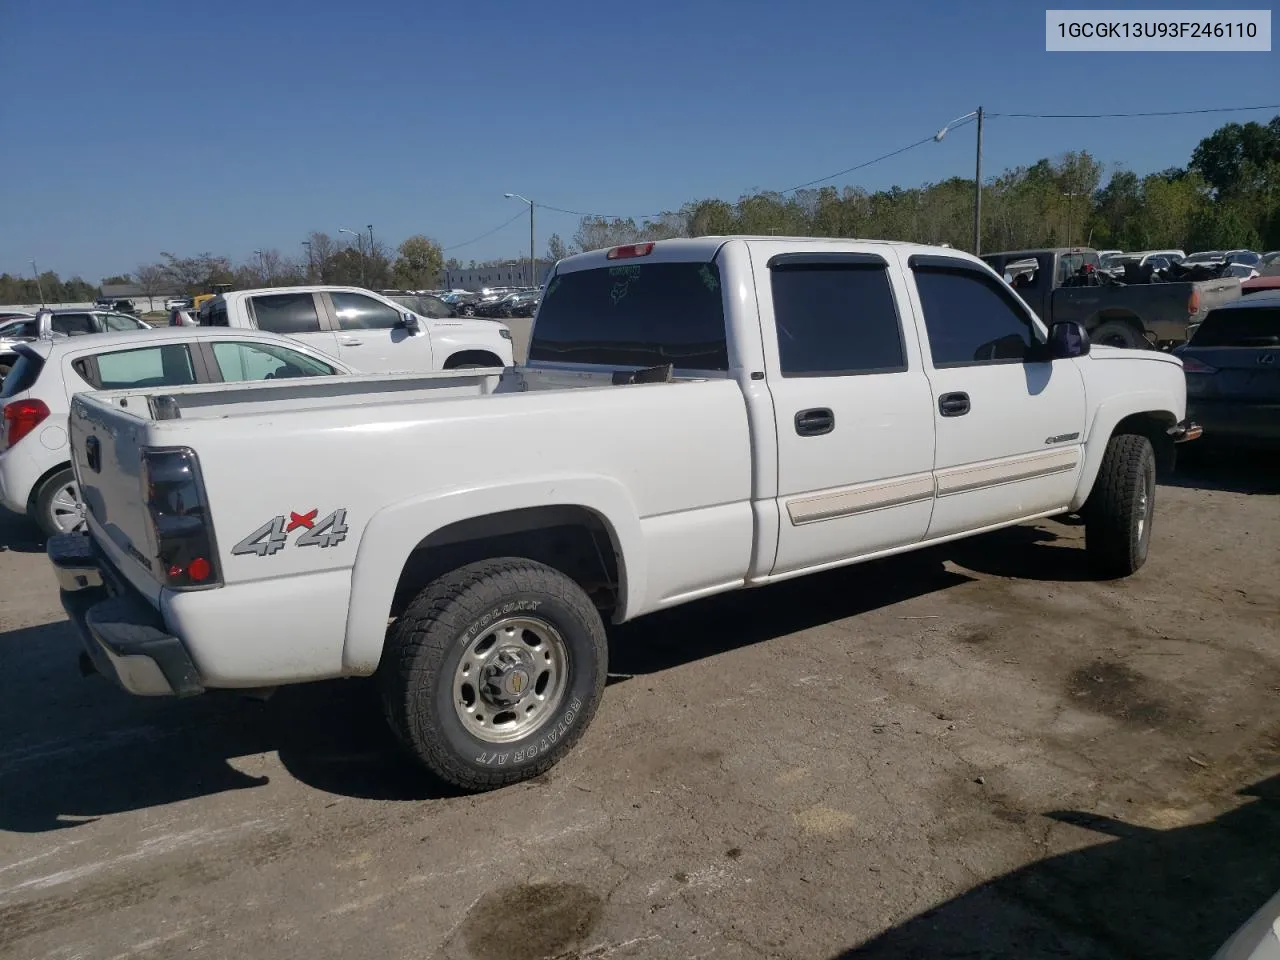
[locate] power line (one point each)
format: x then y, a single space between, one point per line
467 243
1148 113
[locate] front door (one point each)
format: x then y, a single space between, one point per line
1008 422
372 336
853 407
295 315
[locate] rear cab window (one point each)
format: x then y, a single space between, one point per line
634 314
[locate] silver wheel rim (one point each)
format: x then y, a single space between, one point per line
66 512
511 679
1144 508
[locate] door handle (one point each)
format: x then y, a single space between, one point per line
815 422
953 404
350 342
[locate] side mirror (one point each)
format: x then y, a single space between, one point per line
1067 339
410 322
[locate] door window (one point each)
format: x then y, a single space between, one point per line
161 366
358 312
835 318
970 318
118 321
263 361
286 313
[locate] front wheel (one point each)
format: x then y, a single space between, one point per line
493 672
1120 507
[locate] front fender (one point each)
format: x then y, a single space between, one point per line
1105 420
393 532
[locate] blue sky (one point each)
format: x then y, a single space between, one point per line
137 126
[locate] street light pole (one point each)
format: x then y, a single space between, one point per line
977 176
39 286
360 247
370 226
533 263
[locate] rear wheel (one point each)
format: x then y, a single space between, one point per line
1121 506
57 504
493 672
1118 333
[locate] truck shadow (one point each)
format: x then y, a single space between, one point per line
78 748
1137 892
1229 469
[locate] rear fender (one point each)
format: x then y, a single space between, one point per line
394 532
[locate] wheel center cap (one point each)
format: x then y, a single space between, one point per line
507 678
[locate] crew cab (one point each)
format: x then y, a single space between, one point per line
363 329
696 416
1135 315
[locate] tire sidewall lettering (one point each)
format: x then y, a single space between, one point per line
494 614
544 742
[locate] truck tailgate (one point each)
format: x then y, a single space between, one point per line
106 445
1214 293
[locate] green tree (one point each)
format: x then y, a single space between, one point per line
556 248
1221 157
419 264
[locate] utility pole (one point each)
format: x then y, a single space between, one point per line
39 286
533 263
370 226
310 266
977 194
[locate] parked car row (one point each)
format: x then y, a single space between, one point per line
1146 266
59 323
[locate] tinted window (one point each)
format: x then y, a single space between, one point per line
423 306
835 319
28 328
116 321
358 312
263 361
278 313
1246 327
634 314
166 366
970 318
23 376
71 324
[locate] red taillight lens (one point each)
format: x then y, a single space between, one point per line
1192 365
1193 302
174 494
630 250
21 417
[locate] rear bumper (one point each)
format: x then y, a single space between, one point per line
1237 421
123 635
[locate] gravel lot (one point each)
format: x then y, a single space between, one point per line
976 752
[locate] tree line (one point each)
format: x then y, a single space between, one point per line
17 289
1226 197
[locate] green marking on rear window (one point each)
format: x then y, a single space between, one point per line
708 278
625 277
555 285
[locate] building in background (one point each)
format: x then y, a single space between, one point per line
509 273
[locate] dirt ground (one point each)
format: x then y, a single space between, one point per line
975 752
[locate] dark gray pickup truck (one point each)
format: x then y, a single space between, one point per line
1064 283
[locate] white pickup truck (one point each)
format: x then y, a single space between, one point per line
363 329
696 416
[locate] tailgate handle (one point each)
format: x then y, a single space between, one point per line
93 454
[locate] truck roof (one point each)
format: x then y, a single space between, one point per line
705 249
1033 252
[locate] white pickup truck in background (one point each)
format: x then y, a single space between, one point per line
363 329
696 416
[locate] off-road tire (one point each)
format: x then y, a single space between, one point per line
1120 507
424 647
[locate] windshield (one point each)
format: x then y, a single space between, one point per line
433 308
636 315
1069 264
1247 257
1202 257
1239 327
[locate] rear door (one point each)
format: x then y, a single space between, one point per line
853 406
298 315
372 337
1008 422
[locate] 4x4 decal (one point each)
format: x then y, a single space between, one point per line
273 536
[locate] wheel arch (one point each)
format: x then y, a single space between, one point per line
41 481
1147 414
484 358
589 526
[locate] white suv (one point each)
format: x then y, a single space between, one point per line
35 468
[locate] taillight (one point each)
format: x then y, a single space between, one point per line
1193 301
1192 365
173 491
21 417
630 250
